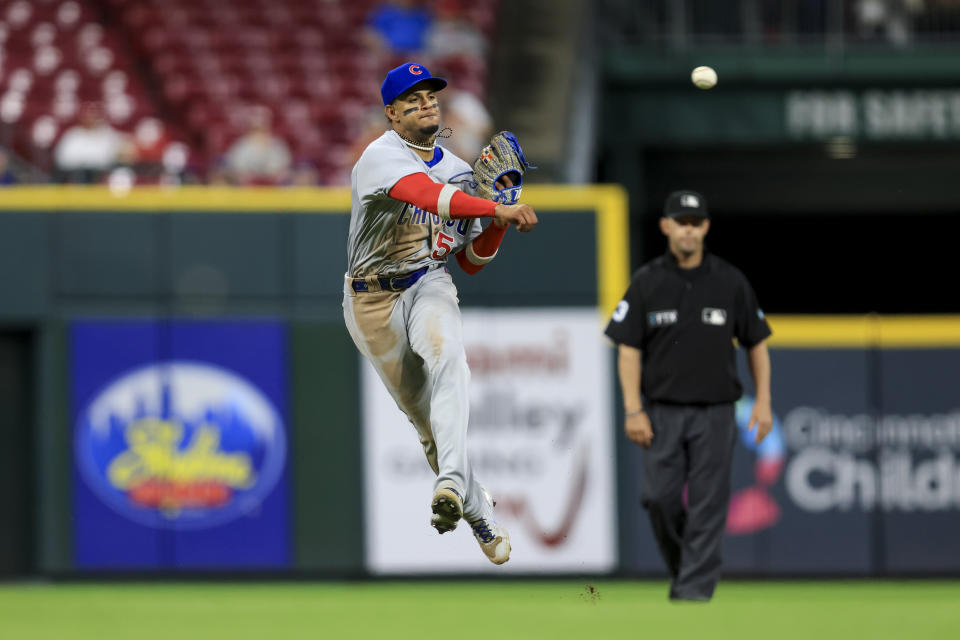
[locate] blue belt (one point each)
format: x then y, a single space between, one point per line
396 283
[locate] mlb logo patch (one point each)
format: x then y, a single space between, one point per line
715 317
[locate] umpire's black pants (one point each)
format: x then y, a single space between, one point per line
692 445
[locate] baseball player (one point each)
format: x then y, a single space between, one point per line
409 213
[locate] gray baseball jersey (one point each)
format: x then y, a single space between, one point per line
389 237
414 337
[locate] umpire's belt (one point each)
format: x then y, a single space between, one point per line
387 283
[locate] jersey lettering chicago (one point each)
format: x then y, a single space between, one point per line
391 237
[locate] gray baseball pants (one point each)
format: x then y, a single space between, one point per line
414 339
692 449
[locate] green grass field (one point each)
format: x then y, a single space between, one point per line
466 610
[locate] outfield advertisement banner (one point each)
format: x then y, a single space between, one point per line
180 444
540 439
860 475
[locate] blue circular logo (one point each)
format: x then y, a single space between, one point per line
181 445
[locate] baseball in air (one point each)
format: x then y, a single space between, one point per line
704 77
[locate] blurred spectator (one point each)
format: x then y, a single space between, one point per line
150 140
7 176
258 156
89 149
175 163
470 121
305 174
398 26
890 20
217 174
374 126
451 34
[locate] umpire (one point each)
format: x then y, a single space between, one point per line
679 318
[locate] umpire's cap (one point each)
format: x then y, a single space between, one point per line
685 203
402 78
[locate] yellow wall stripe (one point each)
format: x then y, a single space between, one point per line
862 331
188 198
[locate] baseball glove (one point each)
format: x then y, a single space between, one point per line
503 156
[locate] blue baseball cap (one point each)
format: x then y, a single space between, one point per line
402 78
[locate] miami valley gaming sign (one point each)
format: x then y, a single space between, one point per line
539 438
180 444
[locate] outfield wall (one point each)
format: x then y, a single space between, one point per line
198 405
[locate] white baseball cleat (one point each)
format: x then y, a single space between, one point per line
493 540
447 507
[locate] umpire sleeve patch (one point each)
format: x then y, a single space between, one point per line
621 311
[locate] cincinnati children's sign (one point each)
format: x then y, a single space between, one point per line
863 462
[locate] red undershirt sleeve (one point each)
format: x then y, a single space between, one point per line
482 249
443 199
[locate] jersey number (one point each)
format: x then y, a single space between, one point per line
443 245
